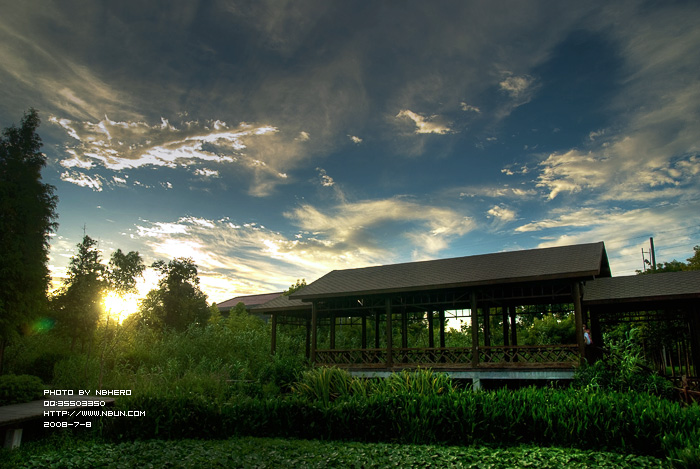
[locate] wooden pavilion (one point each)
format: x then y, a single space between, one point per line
670 299
383 300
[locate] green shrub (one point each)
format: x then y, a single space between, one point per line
15 389
623 369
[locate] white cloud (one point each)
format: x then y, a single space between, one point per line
365 226
498 192
672 227
82 180
516 86
212 173
502 213
469 108
326 180
425 125
120 146
356 140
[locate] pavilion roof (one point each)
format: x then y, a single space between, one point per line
584 261
644 288
248 300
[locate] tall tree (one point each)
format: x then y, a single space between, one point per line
79 304
178 301
27 219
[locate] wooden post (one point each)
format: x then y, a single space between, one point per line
376 330
431 332
273 334
308 339
505 319
389 344
597 335
404 328
475 330
332 320
578 313
314 333
487 326
441 316
694 320
364 331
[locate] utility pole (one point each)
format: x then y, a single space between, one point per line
653 253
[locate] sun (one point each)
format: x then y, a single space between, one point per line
119 307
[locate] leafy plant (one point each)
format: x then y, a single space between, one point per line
622 369
15 389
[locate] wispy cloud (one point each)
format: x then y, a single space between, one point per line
469 108
425 125
674 228
360 229
516 86
122 146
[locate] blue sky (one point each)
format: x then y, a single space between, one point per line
276 140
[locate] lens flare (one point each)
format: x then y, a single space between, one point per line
119 307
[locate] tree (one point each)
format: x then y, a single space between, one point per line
79 304
295 286
692 263
27 219
178 301
123 270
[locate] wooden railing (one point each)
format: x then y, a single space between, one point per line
538 356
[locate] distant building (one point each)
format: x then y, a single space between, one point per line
249 301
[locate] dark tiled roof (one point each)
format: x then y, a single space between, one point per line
282 303
640 288
248 300
577 261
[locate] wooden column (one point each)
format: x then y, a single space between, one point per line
431 332
389 344
404 328
487 327
513 331
505 319
441 316
376 330
475 330
597 336
578 313
364 331
314 332
273 333
694 320
332 321
308 339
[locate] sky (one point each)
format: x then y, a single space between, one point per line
271 141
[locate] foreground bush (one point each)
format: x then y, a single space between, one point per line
15 389
266 452
609 421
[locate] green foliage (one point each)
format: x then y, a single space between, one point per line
37 354
123 271
270 452
550 329
15 389
608 421
622 369
692 263
295 286
178 301
79 305
27 218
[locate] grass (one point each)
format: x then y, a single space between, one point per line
269 452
